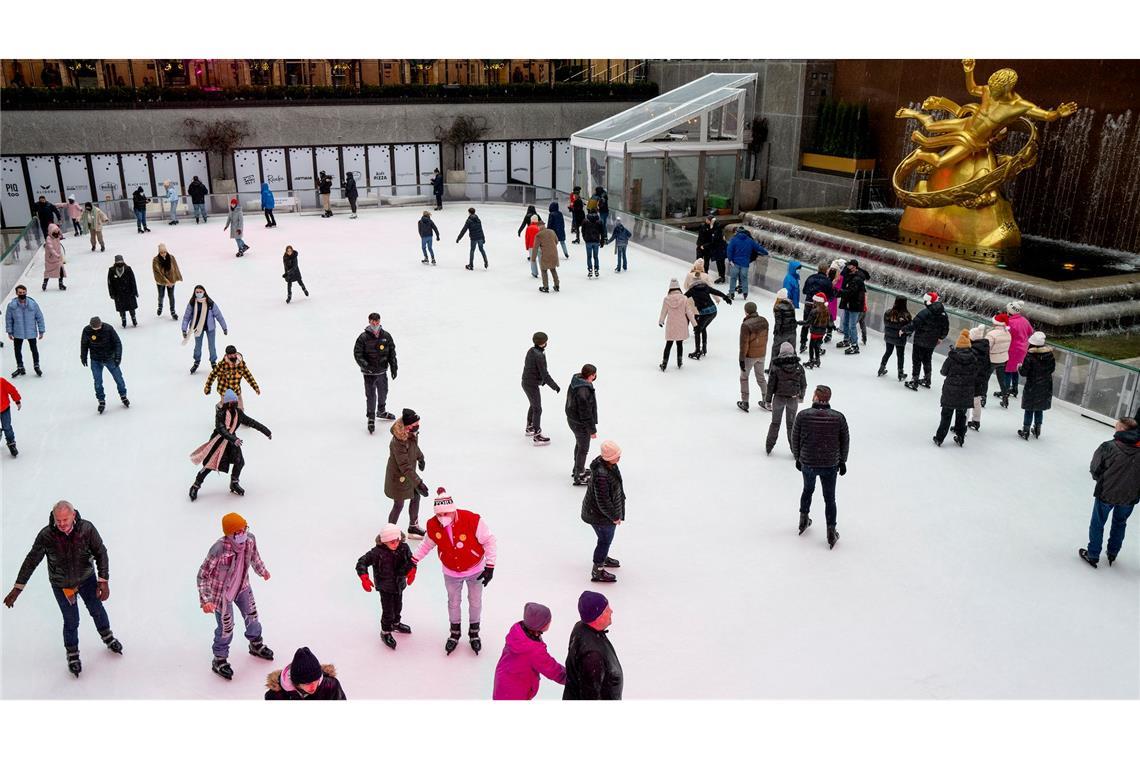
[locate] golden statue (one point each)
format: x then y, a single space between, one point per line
956 196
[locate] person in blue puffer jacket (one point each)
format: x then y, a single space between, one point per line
557 222
741 250
267 204
620 236
792 282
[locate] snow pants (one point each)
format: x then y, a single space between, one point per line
455 597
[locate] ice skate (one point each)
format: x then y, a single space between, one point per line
432 263
18 371
425 260
101 407
599 575
589 274
221 666
1004 402
12 448
415 531
473 637
937 441
610 562
258 649
1036 431
468 267
543 290
385 415
452 639
663 366
198 480
695 356
235 487
73 663
159 312
764 405
1084 554
541 440
1111 559
843 343
882 370
39 372
126 401
926 383
805 522
1023 433
194 366
960 440
529 433
112 643
371 426
580 479
974 425
902 376
853 349
832 537
389 641
742 406
912 384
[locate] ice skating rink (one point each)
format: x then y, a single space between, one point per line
956 576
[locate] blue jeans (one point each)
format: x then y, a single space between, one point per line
738 275
534 266
209 334
224 615
605 538
827 476
70 611
140 218
619 248
1032 417
471 254
200 211
173 210
851 326
565 252
116 373
425 247
605 220
240 243
1011 381
1120 515
6 425
592 256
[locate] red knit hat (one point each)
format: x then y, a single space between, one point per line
929 298
1001 318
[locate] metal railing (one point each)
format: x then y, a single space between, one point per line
1100 388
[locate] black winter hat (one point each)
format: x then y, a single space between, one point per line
408 417
305 667
231 349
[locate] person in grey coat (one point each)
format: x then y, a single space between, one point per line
235 223
1116 469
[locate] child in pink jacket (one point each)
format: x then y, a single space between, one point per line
74 212
1019 331
525 657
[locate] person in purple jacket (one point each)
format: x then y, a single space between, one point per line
525 657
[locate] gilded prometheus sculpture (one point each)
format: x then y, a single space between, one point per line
957 166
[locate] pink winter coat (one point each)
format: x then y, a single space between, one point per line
1019 332
677 312
74 210
53 254
523 658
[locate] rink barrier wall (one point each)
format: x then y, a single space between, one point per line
1097 388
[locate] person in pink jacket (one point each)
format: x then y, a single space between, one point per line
1019 331
525 657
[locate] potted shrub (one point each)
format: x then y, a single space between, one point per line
841 142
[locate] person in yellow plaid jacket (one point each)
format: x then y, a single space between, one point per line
229 372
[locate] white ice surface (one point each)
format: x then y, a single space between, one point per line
956 574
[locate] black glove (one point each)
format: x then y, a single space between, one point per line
487 574
393 373
842 468
421 464
422 489
741 365
799 466
557 389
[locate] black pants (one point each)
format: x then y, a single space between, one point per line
169 292
352 204
269 217
669 345
806 324
18 344
289 293
813 349
700 333
438 201
390 607
581 446
959 416
375 394
899 351
920 360
413 510
719 265
78 228
534 412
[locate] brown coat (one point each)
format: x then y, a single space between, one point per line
677 313
753 337
175 275
401 479
546 249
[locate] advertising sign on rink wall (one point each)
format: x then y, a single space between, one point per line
166 169
247 172
194 165
41 173
16 204
405 156
108 181
273 169
380 168
76 182
136 173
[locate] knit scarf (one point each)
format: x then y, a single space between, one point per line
198 321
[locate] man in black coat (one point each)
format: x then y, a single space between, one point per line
198 192
535 376
71 544
852 299
820 441
437 189
711 245
473 228
324 190
102 343
1116 469
582 416
817 283
929 326
375 354
46 213
592 667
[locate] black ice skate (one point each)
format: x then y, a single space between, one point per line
974 425
1023 434
764 405
12 448
832 537
529 433
1111 559
1085 556
386 636
1036 431
415 531
742 406
843 343
473 637
194 366
663 366
258 649
959 439
805 522
541 440
610 562
112 643
371 425
18 371
37 370
926 383
882 370
221 666
853 349
102 406
902 376
1005 401
599 575
912 384
452 639
235 487
937 441
198 480
126 401
73 663
402 628
580 479
386 416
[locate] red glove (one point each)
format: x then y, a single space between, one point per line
366 582
411 576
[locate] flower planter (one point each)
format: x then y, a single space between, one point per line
835 164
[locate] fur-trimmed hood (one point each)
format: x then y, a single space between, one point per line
399 431
273 681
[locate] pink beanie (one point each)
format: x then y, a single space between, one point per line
610 451
443 502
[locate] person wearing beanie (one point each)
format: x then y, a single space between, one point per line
930 326
620 237
582 417
375 354
783 321
960 370
426 228
702 295
24 320
77 567
820 444
525 658
677 313
223 584
981 347
791 285
75 213
292 274
54 257
603 509
817 283
545 253
753 352
102 344
534 376
304 678
437 190
166 275
895 321
820 322
392 571
1019 331
473 228
93 219
853 301
401 482
1037 368
235 223
229 373
711 246
123 289
467 551
741 251
787 385
224 449
999 339
593 670
1115 467
200 319
139 201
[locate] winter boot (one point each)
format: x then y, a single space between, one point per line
126 401
805 522
258 649
882 370
473 637
221 666
73 663
742 406
102 406
12 448
402 628
974 425
1084 554
1024 433
452 639
386 637
111 642
194 366
610 562
235 487
1036 431
415 531
599 575
371 425
197 484
541 440
832 536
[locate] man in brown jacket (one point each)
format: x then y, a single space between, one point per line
545 250
400 480
753 350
